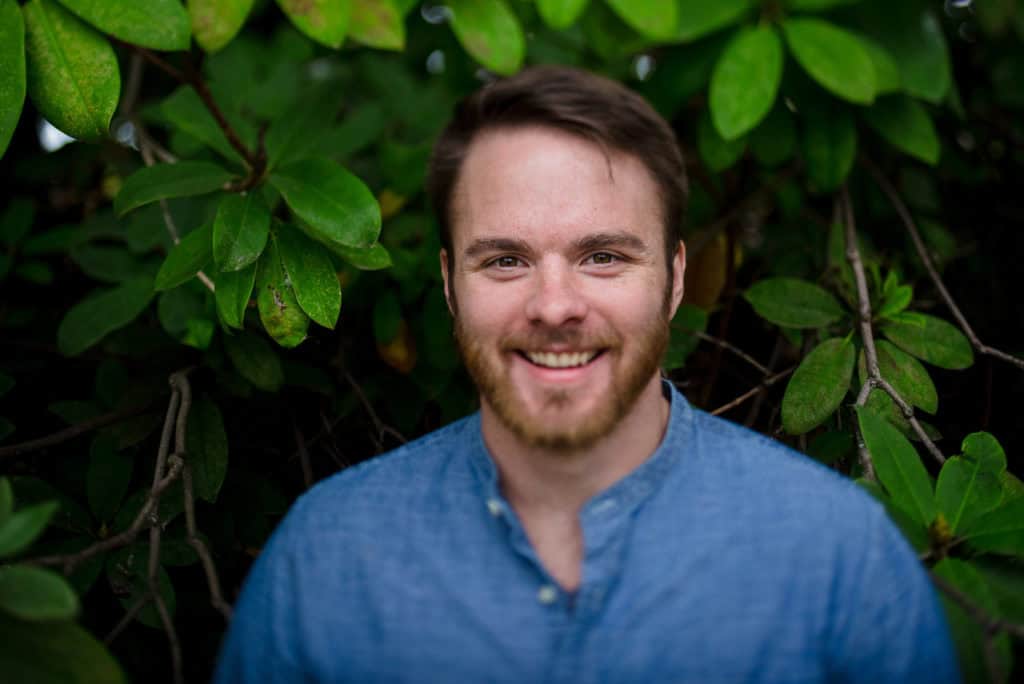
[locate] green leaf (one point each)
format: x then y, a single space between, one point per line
16 221
311 274
126 572
968 637
240 231
931 339
829 447
24 526
793 303
325 21
971 485
898 466
372 258
108 477
336 206
6 501
52 652
185 111
829 146
12 70
698 18
688 321
31 593
887 72
186 258
387 317
1005 579
717 152
833 57
561 14
255 360
745 81
156 24
101 313
815 5
490 32
280 313
377 23
905 373
913 36
1000 530
774 140
163 181
818 386
109 263
72 71
207 448
655 19
300 133
896 301
216 22
233 289
905 125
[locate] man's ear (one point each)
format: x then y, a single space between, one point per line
678 276
447 283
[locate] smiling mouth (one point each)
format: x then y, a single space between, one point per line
561 359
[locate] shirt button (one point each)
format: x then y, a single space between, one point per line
547 595
494 506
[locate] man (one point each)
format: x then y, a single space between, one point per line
587 525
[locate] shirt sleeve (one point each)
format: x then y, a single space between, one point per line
264 638
888 624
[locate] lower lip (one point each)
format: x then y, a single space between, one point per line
560 375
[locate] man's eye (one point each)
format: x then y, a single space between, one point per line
506 262
603 258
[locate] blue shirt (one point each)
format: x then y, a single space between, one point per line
725 557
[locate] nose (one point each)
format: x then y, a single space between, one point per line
555 298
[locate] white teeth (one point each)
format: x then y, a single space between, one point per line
562 360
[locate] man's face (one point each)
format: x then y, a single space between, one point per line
559 287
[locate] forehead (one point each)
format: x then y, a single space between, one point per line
542 184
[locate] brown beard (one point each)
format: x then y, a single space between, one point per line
497 390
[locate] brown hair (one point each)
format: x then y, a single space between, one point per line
584 104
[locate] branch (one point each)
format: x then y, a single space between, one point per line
765 384
991 625
725 344
875 378
73 431
181 383
382 427
922 253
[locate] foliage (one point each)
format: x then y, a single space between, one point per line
249 207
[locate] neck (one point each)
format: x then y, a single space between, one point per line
539 481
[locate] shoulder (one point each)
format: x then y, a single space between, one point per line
391 482
762 474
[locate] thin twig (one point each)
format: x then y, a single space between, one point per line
73 431
765 384
382 427
874 378
180 381
172 638
303 453
127 618
73 560
922 253
728 346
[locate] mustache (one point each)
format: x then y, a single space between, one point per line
576 338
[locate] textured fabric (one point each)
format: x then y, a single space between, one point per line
725 557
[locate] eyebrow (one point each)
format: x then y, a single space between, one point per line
619 239
487 245
587 243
